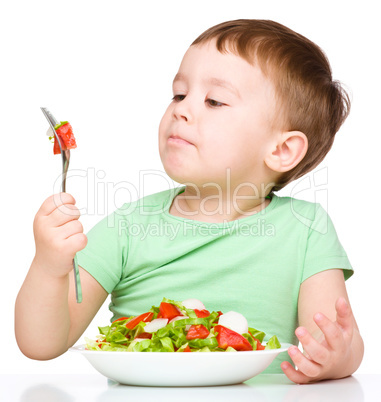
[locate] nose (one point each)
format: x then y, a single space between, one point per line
182 110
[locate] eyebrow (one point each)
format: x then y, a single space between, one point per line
212 81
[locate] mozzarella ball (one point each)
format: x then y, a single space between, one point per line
193 304
234 321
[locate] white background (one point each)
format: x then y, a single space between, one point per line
107 67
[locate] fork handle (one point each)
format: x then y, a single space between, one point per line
65 167
77 281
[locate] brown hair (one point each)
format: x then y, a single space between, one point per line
309 99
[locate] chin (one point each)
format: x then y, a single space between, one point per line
174 168
181 175
177 176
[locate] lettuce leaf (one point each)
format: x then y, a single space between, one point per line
273 343
257 334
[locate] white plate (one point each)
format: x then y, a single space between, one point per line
180 369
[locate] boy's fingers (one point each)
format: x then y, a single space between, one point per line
306 366
315 351
294 375
344 316
76 242
63 214
332 333
54 201
71 228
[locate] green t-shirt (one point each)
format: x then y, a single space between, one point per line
253 265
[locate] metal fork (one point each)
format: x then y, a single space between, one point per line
65 166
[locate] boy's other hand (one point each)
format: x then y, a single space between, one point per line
325 358
58 234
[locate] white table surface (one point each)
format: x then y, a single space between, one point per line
265 387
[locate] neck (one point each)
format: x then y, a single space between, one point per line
216 204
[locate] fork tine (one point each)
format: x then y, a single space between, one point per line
52 122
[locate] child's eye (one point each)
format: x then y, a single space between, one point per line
214 103
178 98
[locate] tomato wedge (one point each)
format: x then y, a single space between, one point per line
144 335
226 337
168 310
202 313
66 136
146 317
120 319
197 332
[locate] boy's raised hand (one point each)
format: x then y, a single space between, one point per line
328 357
58 234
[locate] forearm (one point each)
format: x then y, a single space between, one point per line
42 319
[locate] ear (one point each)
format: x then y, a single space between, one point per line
290 149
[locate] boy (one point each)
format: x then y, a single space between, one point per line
254 108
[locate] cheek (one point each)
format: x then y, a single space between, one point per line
163 128
164 121
220 136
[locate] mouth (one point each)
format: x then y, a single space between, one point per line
175 139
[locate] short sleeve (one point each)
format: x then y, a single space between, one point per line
105 254
323 249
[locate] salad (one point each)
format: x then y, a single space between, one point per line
64 131
181 327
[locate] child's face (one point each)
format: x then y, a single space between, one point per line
220 118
